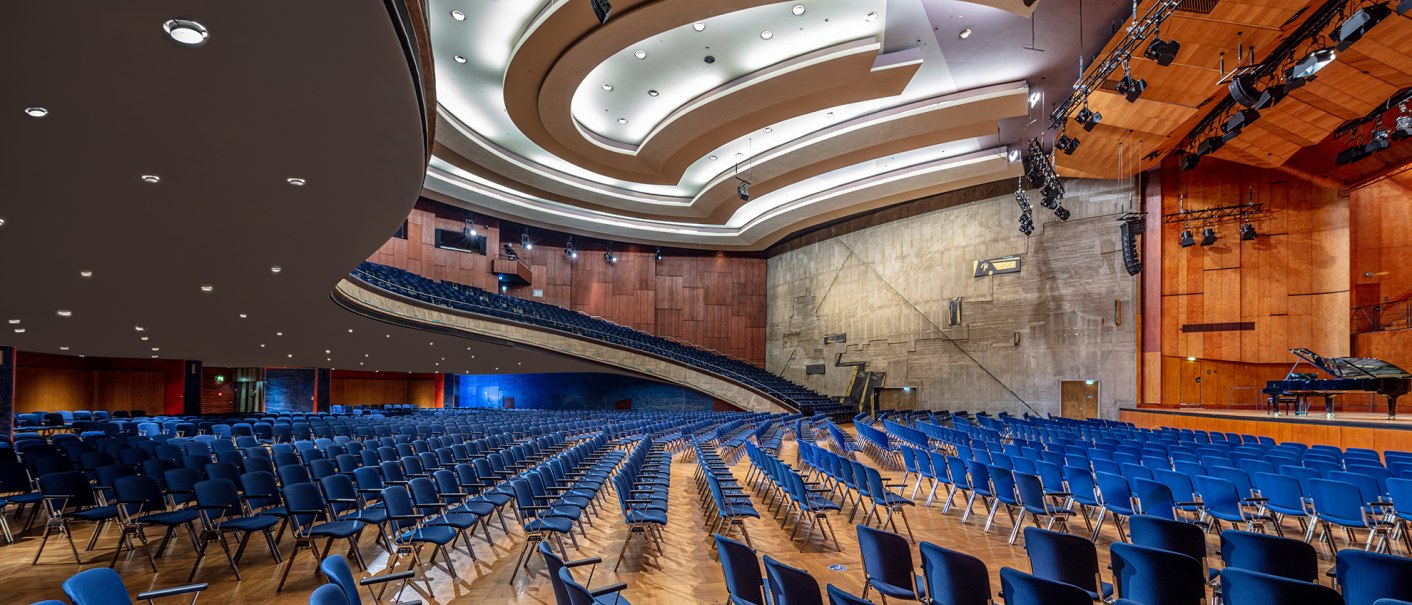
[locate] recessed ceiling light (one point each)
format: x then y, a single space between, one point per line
14 321
186 32
262 345
279 333
829 114
797 10
294 180
2 222
366 355
766 35
607 88
139 328
156 348
430 344
965 33
350 330
276 269
458 15
143 339
622 120
243 316
289 355
459 59
699 26
19 330
65 313
769 130
640 54
360 363
713 157
36 112
208 289
63 348
85 274
653 93
155 356
151 178
871 17
328 352
388 336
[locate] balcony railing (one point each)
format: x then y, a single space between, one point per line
1382 317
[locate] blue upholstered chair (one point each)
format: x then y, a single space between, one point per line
1245 587
103 586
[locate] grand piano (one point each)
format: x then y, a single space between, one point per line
1349 375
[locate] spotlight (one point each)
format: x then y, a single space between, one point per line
1185 239
601 9
1247 232
1062 213
1404 7
1130 88
1088 119
659 254
1378 142
1051 194
1209 145
1163 52
1404 125
569 249
742 191
1359 24
1272 96
1238 121
1190 161
1034 170
1066 144
1244 91
1026 224
1208 236
1311 64
1351 155
525 240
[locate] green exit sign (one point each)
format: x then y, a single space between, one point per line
220 378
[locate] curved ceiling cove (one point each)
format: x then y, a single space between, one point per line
721 124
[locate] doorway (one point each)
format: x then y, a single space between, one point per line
1078 399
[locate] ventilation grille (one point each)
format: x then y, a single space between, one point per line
1200 7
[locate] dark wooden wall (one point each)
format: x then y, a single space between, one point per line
378 388
712 300
50 383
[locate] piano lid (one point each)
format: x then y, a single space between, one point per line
1352 367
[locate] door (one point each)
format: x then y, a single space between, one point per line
1078 399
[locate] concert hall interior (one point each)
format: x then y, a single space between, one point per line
599 302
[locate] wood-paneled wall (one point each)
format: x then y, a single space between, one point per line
1380 221
50 383
217 397
1291 283
715 301
369 388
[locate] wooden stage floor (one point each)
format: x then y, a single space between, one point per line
1345 429
685 573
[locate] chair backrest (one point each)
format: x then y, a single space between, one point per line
887 557
744 581
1284 557
1157 577
1020 588
553 563
954 578
1063 558
1245 587
328 594
791 585
99 586
839 596
1167 534
336 569
1336 500
1368 576
578 593
1154 498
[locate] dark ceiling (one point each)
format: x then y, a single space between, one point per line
317 90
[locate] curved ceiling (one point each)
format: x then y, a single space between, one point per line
643 127
97 261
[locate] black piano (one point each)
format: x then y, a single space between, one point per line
1349 375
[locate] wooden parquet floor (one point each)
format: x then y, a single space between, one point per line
684 573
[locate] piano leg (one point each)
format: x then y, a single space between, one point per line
1391 407
1328 406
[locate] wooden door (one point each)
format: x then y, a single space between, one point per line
1078 399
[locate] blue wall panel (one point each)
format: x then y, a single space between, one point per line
577 391
289 390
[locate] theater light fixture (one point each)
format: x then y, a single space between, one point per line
659 254
1247 232
1238 121
1066 144
1190 161
1087 118
1062 213
1185 239
1311 64
525 240
1402 130
1208 236
1131 88
742 191
1359 23
602 9
1162 51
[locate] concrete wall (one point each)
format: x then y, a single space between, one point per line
888 288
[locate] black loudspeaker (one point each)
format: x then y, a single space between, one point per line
601 9
1129 231
1243 90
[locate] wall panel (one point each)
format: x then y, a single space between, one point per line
667 298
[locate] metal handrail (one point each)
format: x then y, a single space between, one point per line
1382 317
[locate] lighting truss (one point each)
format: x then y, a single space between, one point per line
1239 212
1138 32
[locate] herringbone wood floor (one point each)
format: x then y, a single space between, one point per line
684 573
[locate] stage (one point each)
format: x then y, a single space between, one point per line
1345 429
